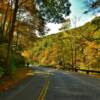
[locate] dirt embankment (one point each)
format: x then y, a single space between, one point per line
9 82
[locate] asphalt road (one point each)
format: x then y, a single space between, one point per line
51 84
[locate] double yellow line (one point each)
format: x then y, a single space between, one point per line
44 90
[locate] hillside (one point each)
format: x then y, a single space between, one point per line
78 47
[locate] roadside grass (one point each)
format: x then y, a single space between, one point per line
9 82
97 75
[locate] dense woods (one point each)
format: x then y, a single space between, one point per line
79 47
20 21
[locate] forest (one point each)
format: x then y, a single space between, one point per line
22 20
79 47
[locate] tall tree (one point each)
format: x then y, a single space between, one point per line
39 12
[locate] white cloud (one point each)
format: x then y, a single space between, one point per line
77 10
54 28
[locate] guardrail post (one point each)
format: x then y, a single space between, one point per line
87 72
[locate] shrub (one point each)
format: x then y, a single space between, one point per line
20 61
1 71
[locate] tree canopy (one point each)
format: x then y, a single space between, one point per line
92 6
54 10
22 19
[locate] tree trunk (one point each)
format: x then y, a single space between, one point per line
75 56
9 47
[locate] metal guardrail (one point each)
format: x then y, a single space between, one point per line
88 71
84 70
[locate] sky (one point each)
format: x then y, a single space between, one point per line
77 9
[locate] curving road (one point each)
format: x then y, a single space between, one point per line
51 84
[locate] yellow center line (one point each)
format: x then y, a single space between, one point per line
43 97
44 90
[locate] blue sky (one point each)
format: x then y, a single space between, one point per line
77 9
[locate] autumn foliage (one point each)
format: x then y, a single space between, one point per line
72 48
